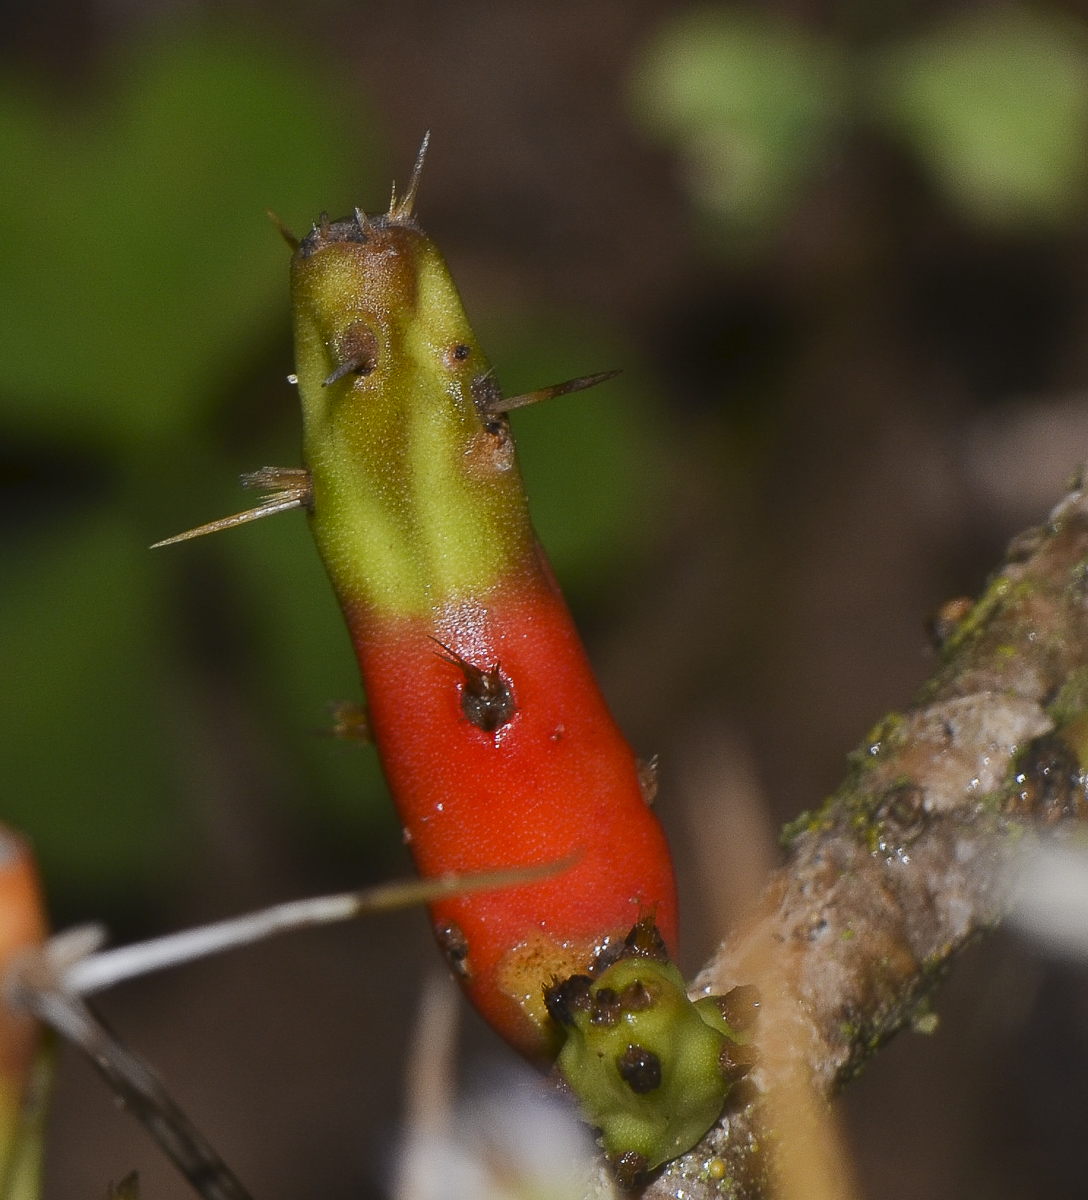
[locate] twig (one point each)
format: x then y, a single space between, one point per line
910 859
49 982
35 987
97 971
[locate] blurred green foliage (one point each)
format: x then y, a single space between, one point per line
135 259
996 105
136 272
752 101
993 103
143 307
80 757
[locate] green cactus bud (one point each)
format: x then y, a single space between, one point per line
650 1068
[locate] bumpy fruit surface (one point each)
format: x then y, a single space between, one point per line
650 1068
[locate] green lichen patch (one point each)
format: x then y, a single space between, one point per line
855 805
968 628
1071 703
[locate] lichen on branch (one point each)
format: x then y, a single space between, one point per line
909 860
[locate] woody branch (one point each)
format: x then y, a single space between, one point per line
911 858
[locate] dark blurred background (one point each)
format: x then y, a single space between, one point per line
839 250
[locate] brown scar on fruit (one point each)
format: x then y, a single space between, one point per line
486 699
491 450
520 970
356 352
454 946
630 1170
640 1069
457 353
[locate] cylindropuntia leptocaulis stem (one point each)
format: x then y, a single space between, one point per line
494 737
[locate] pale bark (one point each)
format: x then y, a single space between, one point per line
905 864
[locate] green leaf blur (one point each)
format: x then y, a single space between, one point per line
996 104
136 252
82 708
993 104
750 101
139 278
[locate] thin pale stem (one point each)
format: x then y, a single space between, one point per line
98 971
135 1085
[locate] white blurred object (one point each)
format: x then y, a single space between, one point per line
1050 901
516 1142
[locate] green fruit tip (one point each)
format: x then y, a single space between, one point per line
651 1069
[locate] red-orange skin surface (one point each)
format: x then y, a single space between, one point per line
557 780
22 924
